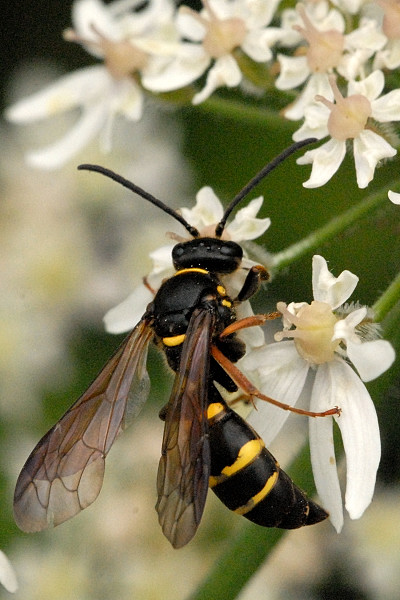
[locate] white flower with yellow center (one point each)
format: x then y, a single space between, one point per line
324 341
349 119
214 35
204 216
329 50
111 33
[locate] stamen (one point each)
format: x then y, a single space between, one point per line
314 331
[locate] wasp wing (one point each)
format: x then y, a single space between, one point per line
184 468
64 473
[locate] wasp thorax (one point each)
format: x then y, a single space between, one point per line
212 254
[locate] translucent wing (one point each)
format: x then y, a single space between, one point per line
184 468
64 473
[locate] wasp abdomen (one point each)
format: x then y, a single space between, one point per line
246 477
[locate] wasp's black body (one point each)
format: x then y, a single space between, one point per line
241 471
193 320
247 478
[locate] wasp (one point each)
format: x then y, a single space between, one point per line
206 444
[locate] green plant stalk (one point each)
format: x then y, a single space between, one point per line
338 224
253 115
387 300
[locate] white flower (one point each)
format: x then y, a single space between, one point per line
100 91
389 56
324 341
204 216
347 119
394 197
7 575
350 6
328 49
216 32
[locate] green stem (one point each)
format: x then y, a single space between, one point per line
331 229
243 556
258 116
245 553
388 300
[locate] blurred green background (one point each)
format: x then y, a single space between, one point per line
73 246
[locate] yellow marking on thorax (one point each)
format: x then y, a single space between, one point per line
191 270
226 303
221 290
174 340
215 409
271 481
247 454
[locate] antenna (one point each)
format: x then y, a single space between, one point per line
257 178
138 190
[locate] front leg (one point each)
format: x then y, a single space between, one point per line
253 280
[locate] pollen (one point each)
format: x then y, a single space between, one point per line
314 329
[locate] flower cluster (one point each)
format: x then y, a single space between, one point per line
331 61
327 336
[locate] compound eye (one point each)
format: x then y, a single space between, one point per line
178 250
231 249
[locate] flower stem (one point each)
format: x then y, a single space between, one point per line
330 230
387 300
248 550
258 116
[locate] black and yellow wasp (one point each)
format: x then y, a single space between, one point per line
192 319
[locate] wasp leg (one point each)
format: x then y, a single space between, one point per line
254 321
242 382
147 284
253 280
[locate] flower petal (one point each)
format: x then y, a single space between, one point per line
293 71
253 337
387 108
89 13
180 72
257 44
281 374
225 72
394 197
327 288
57 154
162 265
259 13
370 87
325 162
208 209
67 92
369 149
372 358
245 225
7 575
322 448
359 427
128 313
